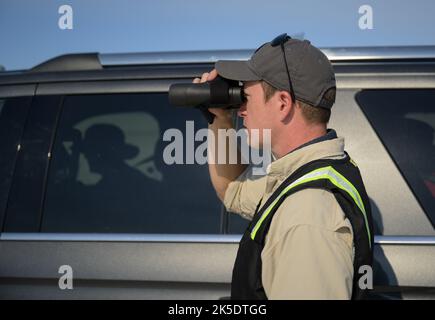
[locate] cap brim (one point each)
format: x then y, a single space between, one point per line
236 70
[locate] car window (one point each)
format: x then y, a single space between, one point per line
13 112
405 122
107 172
237 224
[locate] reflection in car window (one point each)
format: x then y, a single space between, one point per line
405 122
107 172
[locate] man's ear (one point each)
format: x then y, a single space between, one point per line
286 105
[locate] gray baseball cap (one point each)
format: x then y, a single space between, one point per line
311 72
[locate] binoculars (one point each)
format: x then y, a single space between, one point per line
219 93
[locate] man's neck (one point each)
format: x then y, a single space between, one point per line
288 143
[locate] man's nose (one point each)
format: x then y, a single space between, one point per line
242 110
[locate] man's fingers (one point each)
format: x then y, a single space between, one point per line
204 77
212 75
207 76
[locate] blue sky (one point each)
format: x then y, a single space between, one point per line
30 34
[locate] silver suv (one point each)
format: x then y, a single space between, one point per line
85 193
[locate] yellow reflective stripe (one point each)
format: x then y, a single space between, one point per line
334 177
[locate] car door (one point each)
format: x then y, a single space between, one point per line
95 211
385 112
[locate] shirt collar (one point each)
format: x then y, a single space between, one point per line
330 134
324 147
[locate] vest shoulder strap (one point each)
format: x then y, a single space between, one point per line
334 175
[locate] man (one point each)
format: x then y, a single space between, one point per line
311 226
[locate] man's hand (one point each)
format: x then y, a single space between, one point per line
221 174
222 116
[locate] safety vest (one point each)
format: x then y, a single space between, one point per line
342 178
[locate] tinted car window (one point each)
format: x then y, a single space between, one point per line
237 224
13 113
30 169
405 122
107 172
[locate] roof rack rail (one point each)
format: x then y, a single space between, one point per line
96 61
174 57
70 62
379 53
334 54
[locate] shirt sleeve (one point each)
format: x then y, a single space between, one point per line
243 195
309 263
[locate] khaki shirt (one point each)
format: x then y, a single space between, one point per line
308 253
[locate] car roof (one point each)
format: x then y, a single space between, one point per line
182 64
